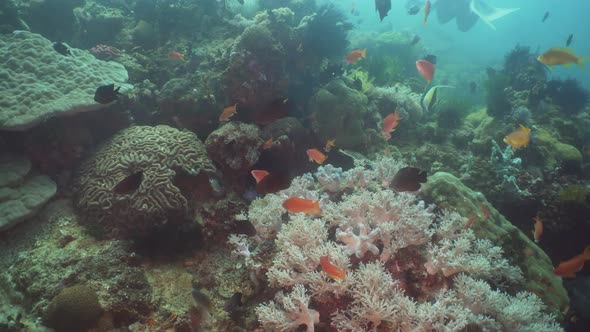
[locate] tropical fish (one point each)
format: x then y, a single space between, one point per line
568 42
268 144
201 300
575 264
538 229
176 56
414 40
273 182
413 10
427 7
329 145
228 112
545 17
106 94
426 69
519 138
259 174
487 13
430 98
383 7
408 179
389 124
472 87
561 56
316 156
298 205
332 270
129 184
430 58
62 49
356 55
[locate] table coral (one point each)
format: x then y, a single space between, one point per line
36 82
162 169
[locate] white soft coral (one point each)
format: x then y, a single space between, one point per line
288 312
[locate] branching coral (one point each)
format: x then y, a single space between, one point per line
288 312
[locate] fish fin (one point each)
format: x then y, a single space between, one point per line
569 64
563 49
363 53
581 61
316 207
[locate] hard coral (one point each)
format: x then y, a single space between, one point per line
74 309
142 178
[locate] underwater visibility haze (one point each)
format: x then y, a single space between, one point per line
294 165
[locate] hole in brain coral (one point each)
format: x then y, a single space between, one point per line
129 184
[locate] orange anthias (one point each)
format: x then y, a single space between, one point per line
519 138
298 205
176 56
427 7
329 145
259 174
426 69
575 264
538 230
228 112
267 144
356 55
316 155
332 270
389 124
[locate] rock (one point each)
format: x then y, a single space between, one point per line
235 147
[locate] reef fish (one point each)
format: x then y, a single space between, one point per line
268 144
427 7
273 182
430 98
414 40
408 179
106 94
413 10
298 205
545 17
316 156
201 300
176 56
575 264
61 48
129 184
356 55
519 138
228 112
568 42
389 124
329 145
426 69
561 56
383 7
259 174
538 229
332 270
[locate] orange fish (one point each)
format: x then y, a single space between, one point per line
427 7
329 145
426 69
267 144
297 205
538 230
316 155
356 55
575 264
389 124
176 56
332 270
228 112
259 174
519 138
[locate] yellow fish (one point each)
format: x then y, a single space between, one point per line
561 56
519 138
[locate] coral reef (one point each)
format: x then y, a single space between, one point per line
22 193
38 82
235 147
141 178
75 308
568 95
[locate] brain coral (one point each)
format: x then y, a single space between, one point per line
36 82
74 309
141 178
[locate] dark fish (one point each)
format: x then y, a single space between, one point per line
244 227
383 7
273 182
413 10
430 58
408 179
201 300
276 109
491 72
62 49
472 87
569 40
129 184
106 94
415 40
545 17
234 306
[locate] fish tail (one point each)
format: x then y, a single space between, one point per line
581 61
586 253
364 53
316 208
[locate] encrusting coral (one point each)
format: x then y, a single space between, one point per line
405 266
140 178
